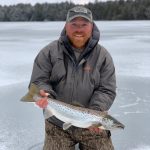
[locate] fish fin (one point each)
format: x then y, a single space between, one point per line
47 113
66 125
102 127
75 103
103 113
96 124
33 90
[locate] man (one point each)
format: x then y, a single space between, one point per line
78 71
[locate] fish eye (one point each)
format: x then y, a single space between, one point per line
104 119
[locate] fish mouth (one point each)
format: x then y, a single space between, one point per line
121 126
118 126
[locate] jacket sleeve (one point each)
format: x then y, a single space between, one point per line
104 95
42 70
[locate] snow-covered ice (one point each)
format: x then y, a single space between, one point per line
22 124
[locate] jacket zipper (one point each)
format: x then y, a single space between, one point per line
73 81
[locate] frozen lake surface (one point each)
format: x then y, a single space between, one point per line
22 124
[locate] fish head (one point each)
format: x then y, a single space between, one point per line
110 123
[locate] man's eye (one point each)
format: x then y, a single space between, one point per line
84 25
73 24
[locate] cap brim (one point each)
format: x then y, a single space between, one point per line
75 16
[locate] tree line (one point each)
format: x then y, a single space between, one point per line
110 10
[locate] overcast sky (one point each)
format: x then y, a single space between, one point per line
11 2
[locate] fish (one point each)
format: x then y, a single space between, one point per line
72 115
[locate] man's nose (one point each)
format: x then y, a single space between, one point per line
79 26
78 30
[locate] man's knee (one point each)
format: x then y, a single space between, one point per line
97 141
56 138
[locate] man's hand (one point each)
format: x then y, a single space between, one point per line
95 129
43 102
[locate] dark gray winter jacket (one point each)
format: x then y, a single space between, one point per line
89 81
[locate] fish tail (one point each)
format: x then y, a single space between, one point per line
30 96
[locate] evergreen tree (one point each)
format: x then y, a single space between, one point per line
110 10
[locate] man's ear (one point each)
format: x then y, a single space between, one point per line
66 25
92 24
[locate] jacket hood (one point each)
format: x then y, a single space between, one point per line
89 46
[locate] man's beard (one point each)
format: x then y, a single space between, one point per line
79 42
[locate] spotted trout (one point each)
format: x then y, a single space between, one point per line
73 115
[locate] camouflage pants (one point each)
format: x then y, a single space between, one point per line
58 139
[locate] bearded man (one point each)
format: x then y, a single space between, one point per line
77 70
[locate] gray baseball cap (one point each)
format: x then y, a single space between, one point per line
79 11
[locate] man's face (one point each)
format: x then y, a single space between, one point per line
79 30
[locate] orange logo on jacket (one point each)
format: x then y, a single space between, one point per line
87 68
